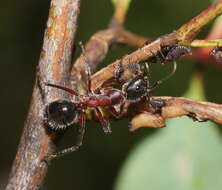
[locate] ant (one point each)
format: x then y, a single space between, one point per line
170 53
217 54
173 52
60 114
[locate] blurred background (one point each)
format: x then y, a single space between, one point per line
97 164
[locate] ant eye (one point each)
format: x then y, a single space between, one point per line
60 114
136 89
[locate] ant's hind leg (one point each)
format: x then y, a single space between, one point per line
82 121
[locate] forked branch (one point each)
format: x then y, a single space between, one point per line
28 170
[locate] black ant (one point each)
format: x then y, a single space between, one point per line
60 114
171 53
174 52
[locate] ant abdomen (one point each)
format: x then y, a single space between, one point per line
171 53
60 114
175 52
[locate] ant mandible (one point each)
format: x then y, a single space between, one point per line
60 114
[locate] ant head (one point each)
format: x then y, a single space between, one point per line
60 114
136 89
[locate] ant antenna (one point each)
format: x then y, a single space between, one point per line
171 74
88 71
165 78
147 67
65 89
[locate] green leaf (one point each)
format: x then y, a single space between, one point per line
183 156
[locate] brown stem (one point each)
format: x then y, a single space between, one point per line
130 39
177 107
28 170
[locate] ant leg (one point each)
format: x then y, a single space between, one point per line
104 122
163 58
157 83
113 112
82 121
157 104
116 114
147 71
118 72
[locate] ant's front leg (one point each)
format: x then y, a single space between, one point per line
82 122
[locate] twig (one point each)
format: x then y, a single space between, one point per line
188 31
177 107
121 8
28 170
205 43
99 44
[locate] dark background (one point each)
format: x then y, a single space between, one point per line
96 164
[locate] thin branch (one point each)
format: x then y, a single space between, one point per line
205 43
176 107
120 10
130 39
99 44
28 170
188 31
